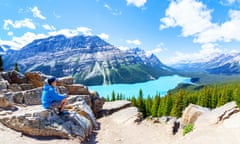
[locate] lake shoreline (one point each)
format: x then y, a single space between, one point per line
149 88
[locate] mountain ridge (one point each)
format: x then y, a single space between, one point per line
227 64
91 60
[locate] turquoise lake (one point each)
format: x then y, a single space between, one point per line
149 88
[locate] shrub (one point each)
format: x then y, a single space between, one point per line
188 128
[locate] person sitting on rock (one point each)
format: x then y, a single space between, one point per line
51 99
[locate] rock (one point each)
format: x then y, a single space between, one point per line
217 115
36 121
20 87
14 77
74 98
36 78
29 97
232 122
25 86
127 116
96 103
77 89
15 87
3 86
111 107
5 104
191 114
82 108
64 81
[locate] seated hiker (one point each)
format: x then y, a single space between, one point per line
50 98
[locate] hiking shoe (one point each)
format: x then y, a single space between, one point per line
63 113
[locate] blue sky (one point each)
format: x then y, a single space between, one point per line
174 30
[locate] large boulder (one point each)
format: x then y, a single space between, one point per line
29 97
64 81
3 86
217 115
191 114
127 116
36 78
77 89
232 122
95 102
35 121
5 104
111 107
14 77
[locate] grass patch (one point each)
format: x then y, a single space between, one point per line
188 128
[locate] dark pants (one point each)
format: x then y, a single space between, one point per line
54 105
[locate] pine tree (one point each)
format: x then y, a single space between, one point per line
168 104
140 103
223 98
16 67
1 64
134 101
178 105
113 96
161 106
155 105
148 104
107 99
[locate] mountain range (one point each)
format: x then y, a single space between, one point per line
91 60
227 64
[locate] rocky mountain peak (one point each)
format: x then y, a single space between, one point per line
89 59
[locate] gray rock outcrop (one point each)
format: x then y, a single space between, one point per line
217 115
191 114
21 110
36 121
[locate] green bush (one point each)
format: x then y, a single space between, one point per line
188 128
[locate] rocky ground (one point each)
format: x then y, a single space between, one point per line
123 126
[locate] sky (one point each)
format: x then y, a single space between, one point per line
174 30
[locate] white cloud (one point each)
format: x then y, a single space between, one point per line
228 2
123 48
154 51
158 49
137 3
191 15
194 19
10 33
85 30
207 52
19 24
104 36
73 32
37 13
113 11
48 27
107 7
18 42
231 1
135 42
56 15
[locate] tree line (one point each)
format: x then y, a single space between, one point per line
16 68
174 102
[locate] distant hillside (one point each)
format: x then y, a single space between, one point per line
91 60
227 64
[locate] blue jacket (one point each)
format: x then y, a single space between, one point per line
50 95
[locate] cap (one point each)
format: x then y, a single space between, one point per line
51 80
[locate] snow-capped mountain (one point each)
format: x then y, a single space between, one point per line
222 64
89 59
